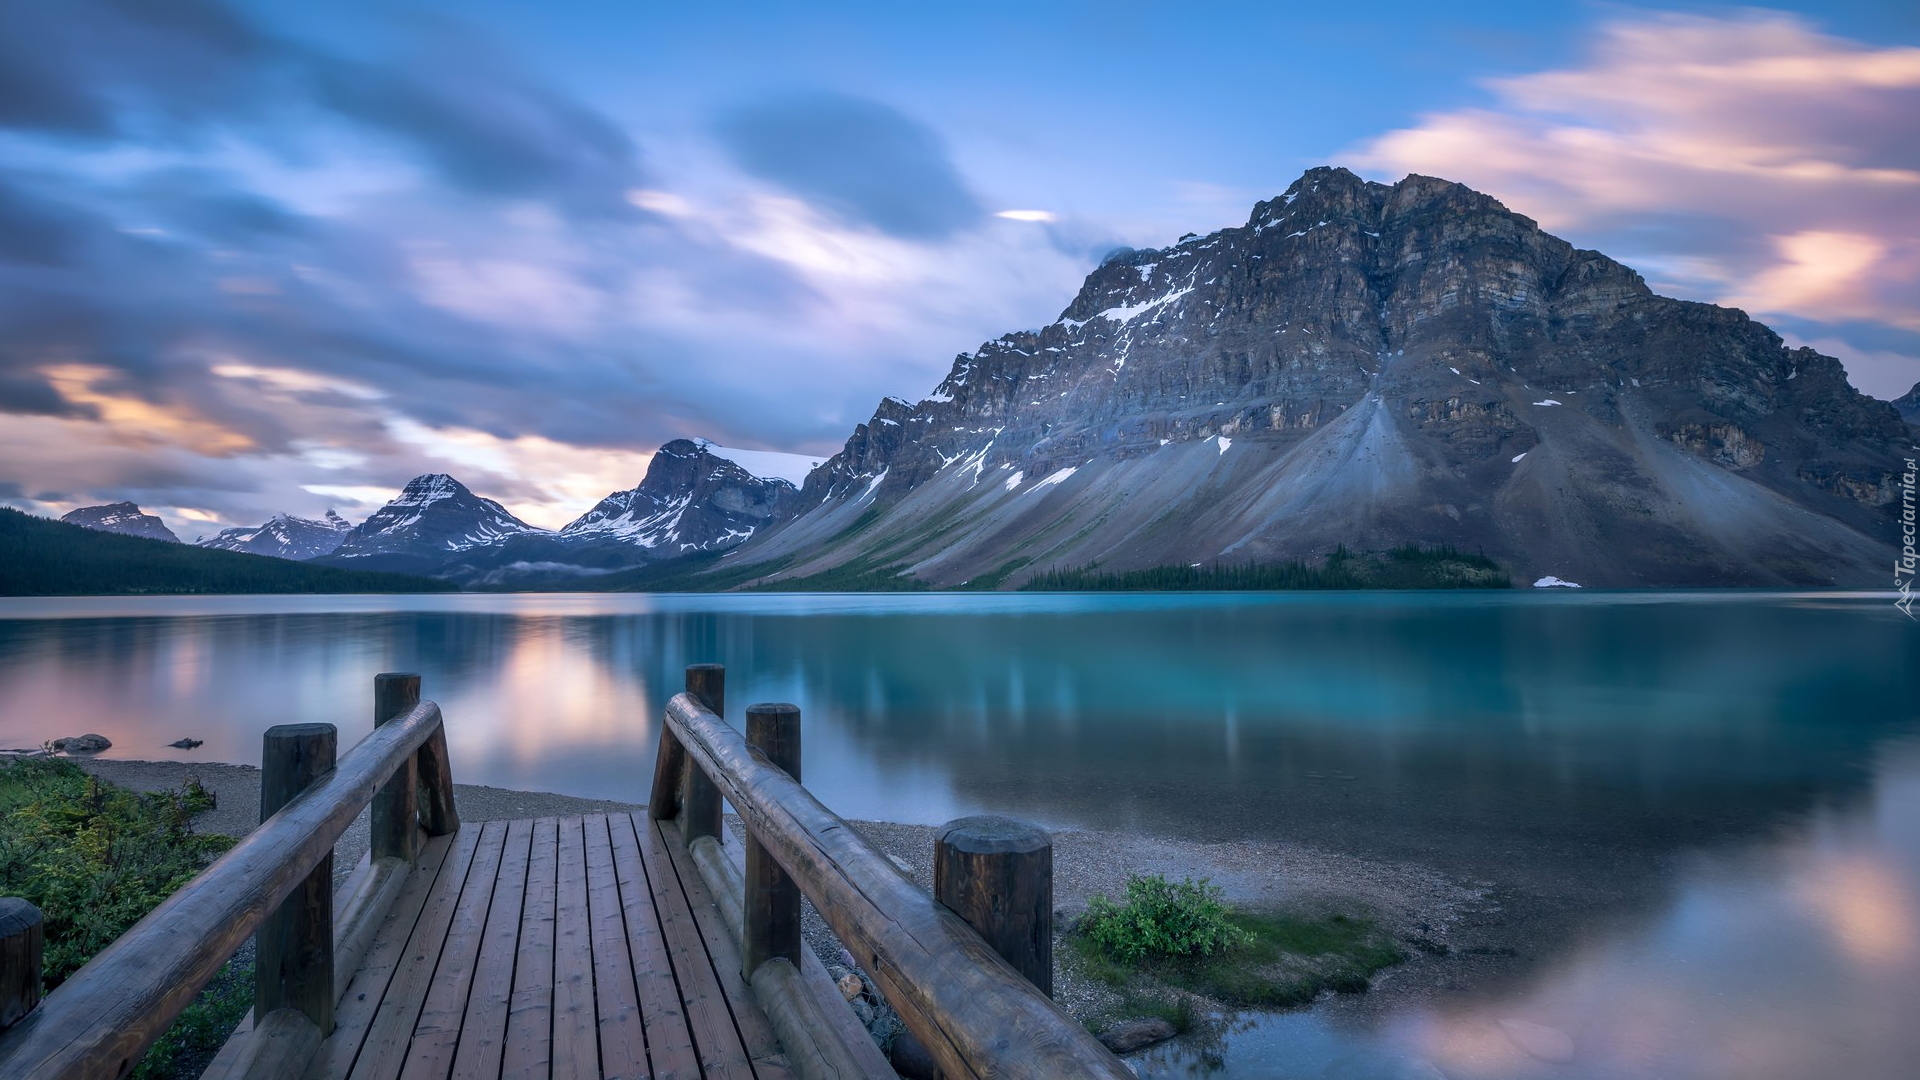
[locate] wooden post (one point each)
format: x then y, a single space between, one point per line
772 922
670 763
396 809
293 949
700 809
21 939
997 874
438 815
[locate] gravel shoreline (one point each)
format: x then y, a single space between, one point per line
1454 927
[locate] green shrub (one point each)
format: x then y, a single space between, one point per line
95 858
1162 918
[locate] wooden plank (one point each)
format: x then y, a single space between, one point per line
716 1039
279 1048
436 1033
113 1009
813 1023
483 1030
756 1032
623 1043
976 1015
576 1043
393 1025
366 984
529 1036
669 1042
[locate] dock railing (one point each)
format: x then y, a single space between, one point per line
275 886
977 1014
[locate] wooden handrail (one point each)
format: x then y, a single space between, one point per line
976 1015
100 1022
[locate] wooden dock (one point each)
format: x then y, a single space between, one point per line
570 948
610 946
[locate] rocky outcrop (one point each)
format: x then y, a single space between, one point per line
1908 405
284 537
1369 365
121 517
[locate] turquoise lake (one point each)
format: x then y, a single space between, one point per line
1720 791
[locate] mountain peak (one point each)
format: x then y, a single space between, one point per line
432 516
429 488
696 496
284 536
121 517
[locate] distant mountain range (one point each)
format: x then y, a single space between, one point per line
39 557
1361 368
284 537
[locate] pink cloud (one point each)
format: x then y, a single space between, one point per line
1794 149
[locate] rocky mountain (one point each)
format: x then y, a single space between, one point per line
697 497
122 517
432 520
690 500
1367 365
284 537
1909 405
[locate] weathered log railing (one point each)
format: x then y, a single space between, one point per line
98 1024
976 1014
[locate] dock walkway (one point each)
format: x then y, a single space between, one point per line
566 948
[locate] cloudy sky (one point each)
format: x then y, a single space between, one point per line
261 256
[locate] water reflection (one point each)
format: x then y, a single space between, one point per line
1727 778
1779 961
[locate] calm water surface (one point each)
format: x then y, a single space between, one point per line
1730 781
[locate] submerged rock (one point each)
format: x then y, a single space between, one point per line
82 744
1130 1035
186 744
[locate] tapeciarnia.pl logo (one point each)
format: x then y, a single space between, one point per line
1903 568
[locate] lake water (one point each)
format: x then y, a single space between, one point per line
1724 788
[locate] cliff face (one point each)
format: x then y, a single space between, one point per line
1369 365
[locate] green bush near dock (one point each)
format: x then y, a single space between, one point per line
1168 940
95 858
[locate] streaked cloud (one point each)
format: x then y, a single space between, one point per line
864 161
1747 159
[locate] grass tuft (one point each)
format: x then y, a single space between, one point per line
1170 940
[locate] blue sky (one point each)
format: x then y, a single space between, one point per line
274 256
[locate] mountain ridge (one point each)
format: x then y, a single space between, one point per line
1369 365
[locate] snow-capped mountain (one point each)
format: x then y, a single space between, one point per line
696 496
122 517
284 537
1368 365
434 517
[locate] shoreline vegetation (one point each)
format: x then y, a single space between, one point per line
95 858
1177 952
